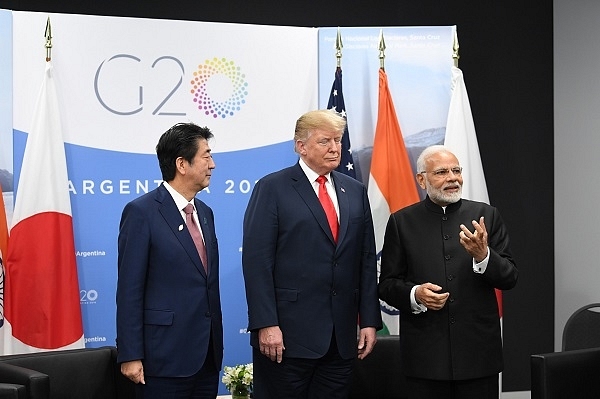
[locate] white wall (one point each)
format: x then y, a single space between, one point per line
576 157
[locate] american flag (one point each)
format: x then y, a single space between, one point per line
336 101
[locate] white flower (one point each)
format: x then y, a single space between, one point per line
238 378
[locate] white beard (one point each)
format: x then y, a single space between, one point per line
439 196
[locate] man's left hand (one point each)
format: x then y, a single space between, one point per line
475 243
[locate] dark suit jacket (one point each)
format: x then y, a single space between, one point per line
462 340
297 277
167 307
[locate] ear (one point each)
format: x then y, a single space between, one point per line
300 148
180 165
420 180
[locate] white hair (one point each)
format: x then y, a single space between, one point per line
428 152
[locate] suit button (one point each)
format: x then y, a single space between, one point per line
207 314
451 300
444 218
447 257
333 293
452 320
450 277
446 237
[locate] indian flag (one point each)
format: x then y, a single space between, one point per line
391 180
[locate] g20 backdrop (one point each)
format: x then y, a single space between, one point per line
123 81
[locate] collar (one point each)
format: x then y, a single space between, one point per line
179 199
311 174
433 207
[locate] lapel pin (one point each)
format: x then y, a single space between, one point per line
342 188
180 227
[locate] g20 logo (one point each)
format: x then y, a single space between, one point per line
218 87
86 296
208 72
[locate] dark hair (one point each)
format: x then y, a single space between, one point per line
181 140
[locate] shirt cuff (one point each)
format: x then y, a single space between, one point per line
416 307
480 267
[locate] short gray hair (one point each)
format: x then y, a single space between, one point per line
428 152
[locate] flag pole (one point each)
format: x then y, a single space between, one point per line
338 48
337 104
455 46
48 36
381 50
50 319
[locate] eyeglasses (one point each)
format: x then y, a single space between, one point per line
457 171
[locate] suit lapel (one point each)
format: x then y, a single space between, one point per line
172 216
343 205
203 220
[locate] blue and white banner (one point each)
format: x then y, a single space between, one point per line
124 81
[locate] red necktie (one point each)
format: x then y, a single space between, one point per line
327 204
196 236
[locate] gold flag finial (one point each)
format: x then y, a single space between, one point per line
338 48
48 36
455 55
381 50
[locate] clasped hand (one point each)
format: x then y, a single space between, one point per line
427 295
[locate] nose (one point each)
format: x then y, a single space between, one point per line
334 146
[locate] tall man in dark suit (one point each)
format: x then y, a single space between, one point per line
441 260
310 278
169 324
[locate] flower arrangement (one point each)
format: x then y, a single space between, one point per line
238 379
